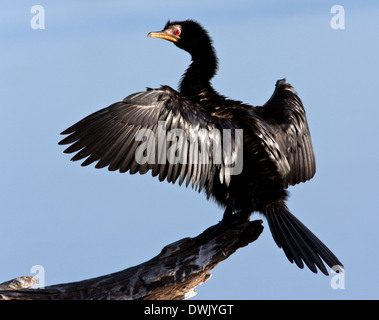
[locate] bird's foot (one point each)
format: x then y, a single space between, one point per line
228 218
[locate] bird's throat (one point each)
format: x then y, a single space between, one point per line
195 83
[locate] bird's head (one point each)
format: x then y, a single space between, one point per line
188 35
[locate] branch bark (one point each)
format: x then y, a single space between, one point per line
172 275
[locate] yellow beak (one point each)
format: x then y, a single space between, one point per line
164 35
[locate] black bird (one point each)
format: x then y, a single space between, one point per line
268 147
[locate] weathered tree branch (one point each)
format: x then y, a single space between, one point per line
173 274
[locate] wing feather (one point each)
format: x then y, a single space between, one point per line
287 136
108 138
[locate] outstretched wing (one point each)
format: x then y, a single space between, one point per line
291 144
157 130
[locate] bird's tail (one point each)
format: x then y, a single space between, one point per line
298 242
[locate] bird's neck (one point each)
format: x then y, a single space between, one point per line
195 83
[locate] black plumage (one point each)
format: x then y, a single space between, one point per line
274 149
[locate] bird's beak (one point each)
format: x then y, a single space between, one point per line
164 35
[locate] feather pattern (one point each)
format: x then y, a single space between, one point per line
127 136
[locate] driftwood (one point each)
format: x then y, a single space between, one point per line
171 275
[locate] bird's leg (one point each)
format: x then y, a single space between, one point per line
244 214
227 219
212 231
228 213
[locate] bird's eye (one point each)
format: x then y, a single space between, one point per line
177 32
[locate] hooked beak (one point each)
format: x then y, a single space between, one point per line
164 35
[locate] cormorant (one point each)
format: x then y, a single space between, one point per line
192 135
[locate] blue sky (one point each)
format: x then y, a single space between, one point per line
80 223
